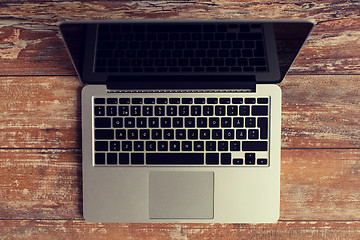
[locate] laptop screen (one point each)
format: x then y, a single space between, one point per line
237 51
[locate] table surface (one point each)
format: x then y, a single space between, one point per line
40 129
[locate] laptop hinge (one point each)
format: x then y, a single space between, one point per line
244 82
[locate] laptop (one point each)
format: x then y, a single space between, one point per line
181 120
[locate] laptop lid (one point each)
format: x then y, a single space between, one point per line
273 47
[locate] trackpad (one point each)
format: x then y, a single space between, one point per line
181 195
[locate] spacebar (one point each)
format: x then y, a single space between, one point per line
175 158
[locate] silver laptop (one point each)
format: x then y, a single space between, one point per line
181 119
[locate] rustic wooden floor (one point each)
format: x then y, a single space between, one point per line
40 154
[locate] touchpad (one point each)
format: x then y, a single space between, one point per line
181 195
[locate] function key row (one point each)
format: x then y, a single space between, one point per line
181 100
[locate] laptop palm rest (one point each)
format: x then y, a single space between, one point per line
181 195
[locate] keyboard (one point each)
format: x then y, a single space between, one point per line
194 131
180 48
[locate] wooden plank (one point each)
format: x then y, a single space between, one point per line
44 112
34 48
49 229
46 184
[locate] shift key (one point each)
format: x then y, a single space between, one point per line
254 145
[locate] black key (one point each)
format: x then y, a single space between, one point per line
156 134
262 100
244 110
253 134
192 134
217 134
198 146
117 122
232 110
129 122
208 110
99 111
135 110
212 100
238 161
235 146
178 122
220 110
204 134
144 134
99 100
111 111
174 100
121 134
137 158
112 101
237 100
112 159
180 134
153 122
214 122
159 110
250 158
238 122
141 122
175 158
250 100
123 110
161 101
195 110
187 101
124 158
212 158
201 122
124 100
150 146
186 146
240 134
102 122
210 146
101 145
250 122
138 146
99 158
225 158
199 100
115 146
223 146
147 110
104 134
189 122
169 134
171 110
162 145
263 125
165 122
229 134
262 161
137 101
254 146
149 100
225 100
132 134
126 146
259 110
174 146
183 110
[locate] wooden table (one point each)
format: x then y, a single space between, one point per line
40 147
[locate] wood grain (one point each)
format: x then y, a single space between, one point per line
49 229
46 184
44 112
35 46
